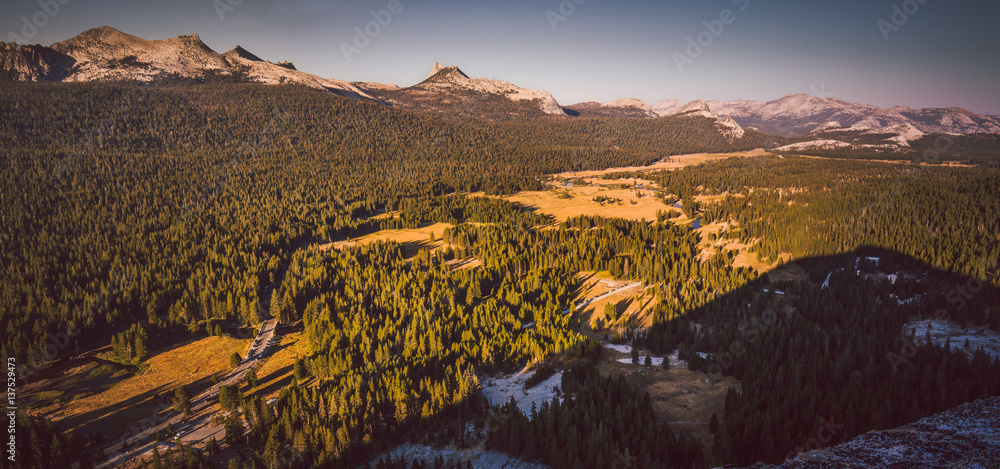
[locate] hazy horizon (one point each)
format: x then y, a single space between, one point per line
938 55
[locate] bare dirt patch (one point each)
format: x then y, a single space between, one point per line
463 264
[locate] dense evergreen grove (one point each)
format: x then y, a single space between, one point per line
397 343
42 445
182 203
662 255
138 215
603 424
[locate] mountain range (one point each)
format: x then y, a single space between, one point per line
107 54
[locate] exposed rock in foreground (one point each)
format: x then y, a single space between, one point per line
967 436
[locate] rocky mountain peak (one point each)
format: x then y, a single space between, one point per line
450 73
103 36
32 63
960 110
663 108
242 53
627 102
634 104
697 106
436 68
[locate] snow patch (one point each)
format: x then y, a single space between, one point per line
827 126
479 458
657 361
619 348
499 390
941 331
675 361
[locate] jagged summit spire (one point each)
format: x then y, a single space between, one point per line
438 68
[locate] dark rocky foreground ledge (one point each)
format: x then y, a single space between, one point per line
967 436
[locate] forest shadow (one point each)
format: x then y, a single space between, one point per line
412 248
833 339
623 305
277 380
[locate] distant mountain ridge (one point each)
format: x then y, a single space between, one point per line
627 107
104 53
798 115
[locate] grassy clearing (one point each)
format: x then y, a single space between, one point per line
581 202
105 397
72 380
412 239
673 162
682 399
276 372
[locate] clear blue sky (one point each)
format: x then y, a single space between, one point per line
945 54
